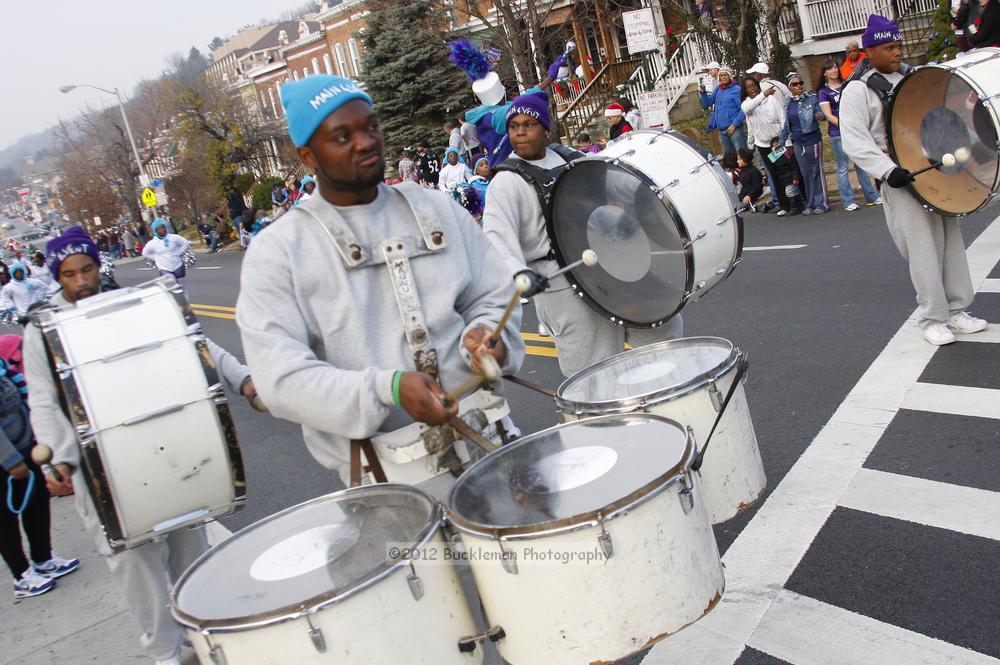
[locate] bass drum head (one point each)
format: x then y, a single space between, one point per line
644 269
305 556
646 374
566 474
934 111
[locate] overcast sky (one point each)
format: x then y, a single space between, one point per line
108 43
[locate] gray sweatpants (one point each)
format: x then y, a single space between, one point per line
584 337
146 575
933 247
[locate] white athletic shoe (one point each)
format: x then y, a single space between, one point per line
966 324
56 567
543 331
852 207
938 334
32 584
876 202
169 661
782 213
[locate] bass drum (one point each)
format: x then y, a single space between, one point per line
951 107
659 212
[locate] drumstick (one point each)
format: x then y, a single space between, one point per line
588 258
521 285
490 372
42 455
947 160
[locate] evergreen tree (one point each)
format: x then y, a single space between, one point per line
407 72
732 37
942 43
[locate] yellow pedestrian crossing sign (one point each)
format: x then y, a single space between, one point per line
148 198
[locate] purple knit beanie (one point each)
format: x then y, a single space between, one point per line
880 30
535 104
73 241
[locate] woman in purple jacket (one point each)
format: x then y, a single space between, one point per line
804 116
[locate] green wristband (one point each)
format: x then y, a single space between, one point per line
396 378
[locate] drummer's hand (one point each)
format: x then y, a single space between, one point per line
746 200
422 398
730 129
248 390
899 177
477 343
19 471
60 488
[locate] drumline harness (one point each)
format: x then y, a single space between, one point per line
395 255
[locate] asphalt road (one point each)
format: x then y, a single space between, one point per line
814 301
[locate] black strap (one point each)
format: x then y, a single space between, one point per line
742 365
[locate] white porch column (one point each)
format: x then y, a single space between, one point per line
805 20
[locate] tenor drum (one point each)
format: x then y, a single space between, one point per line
950 107
659 212
158 447
589 541
686 380
321 582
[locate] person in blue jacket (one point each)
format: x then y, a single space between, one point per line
727 116
804 115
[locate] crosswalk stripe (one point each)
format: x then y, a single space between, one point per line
534 337
928 502
989 336
547 351
990 286
958 400
806 631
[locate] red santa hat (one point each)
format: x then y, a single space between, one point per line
614 110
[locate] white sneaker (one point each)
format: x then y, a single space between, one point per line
852 207
938 334
169 661
877 202
782 213
32 584
56 567
543 331
966 324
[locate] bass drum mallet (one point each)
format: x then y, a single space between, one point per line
42 455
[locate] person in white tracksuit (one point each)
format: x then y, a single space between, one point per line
931 244
145 573
21 292
167 252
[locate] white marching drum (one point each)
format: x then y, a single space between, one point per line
320 583
661 215
588 541
158 447
686 380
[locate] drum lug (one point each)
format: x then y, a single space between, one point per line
687 492
468 644
508 560
723 221
316 635
415 583
215 651
722 270
673 183
715 394
604 540
701 234
64 370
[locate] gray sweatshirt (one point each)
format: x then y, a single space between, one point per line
324 341
514 222
862 126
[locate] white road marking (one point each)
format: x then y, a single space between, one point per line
145 269
932 503
990 336
806 631
209 268
767 551
990 286
769 247
958 400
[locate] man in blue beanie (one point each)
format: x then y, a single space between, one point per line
370 302
931 244
515 223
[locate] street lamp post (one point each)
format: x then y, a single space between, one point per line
143 178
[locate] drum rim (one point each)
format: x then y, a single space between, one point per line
581 521
671 211
315 603
654 398
50 321
957 71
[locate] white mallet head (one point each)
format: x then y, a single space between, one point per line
962 155
490 367
589 258
41 454
947 160
522 283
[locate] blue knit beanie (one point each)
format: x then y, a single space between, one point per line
880 30
73 241
310 101
157 223
534 104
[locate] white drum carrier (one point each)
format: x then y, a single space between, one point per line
158 447
686 380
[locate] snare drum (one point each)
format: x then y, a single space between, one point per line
660 213
686 380
319 583
943 108
158 447
589 541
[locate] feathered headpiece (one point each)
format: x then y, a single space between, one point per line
469 59
469 198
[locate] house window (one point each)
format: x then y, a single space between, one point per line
274 107
327 64
341 60
295 75
315 63
352 46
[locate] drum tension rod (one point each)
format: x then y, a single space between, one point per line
468 644
215 651
316 635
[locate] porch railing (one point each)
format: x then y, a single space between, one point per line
832 17
595 97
